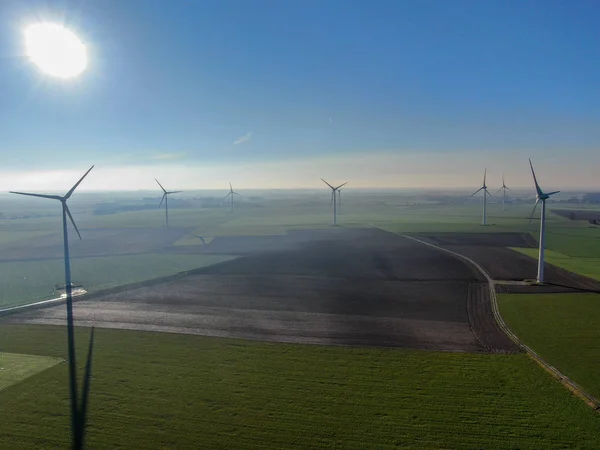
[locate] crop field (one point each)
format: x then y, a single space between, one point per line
179 391
563 328
586 266
346 286
15 367
25 281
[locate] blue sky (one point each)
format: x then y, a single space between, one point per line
387 93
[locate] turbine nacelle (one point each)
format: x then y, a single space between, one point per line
164 199
539 194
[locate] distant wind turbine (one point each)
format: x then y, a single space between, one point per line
485 194
165 198
540 196
231 193
333 199
78 412
503 188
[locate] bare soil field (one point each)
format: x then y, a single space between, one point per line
504 264
96 242
341 287
479 308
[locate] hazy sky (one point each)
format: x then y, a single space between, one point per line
280 93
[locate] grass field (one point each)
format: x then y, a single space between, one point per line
177 391
589 267
23 282
562 328
15 367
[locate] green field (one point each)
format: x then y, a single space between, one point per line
16 367
23 282
589 267
562 328
178 391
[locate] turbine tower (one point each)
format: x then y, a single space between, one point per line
165 198
485 194
503 188
333 199
540 196
232 193
339 193
78 412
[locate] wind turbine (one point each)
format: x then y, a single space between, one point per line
232 193
503 188
540 195
78 412
333 199
485 194
165 198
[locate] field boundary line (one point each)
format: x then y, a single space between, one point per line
577 390
34 305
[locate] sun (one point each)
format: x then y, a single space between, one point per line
56 50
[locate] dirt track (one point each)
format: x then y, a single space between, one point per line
339 286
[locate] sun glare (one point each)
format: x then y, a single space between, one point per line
56 50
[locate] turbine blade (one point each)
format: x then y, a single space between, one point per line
507 188
161 186
552 193
78 183
537 186
488 193
162 199
53 197
481 188
228 194
235 193
501 188
327 184
503 180
533 210
174 192
86 387
230 187
484 175
341 185
72 220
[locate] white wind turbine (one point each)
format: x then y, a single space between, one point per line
333 198
165 198
78 412
231 193
503 188
540 196
485 194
